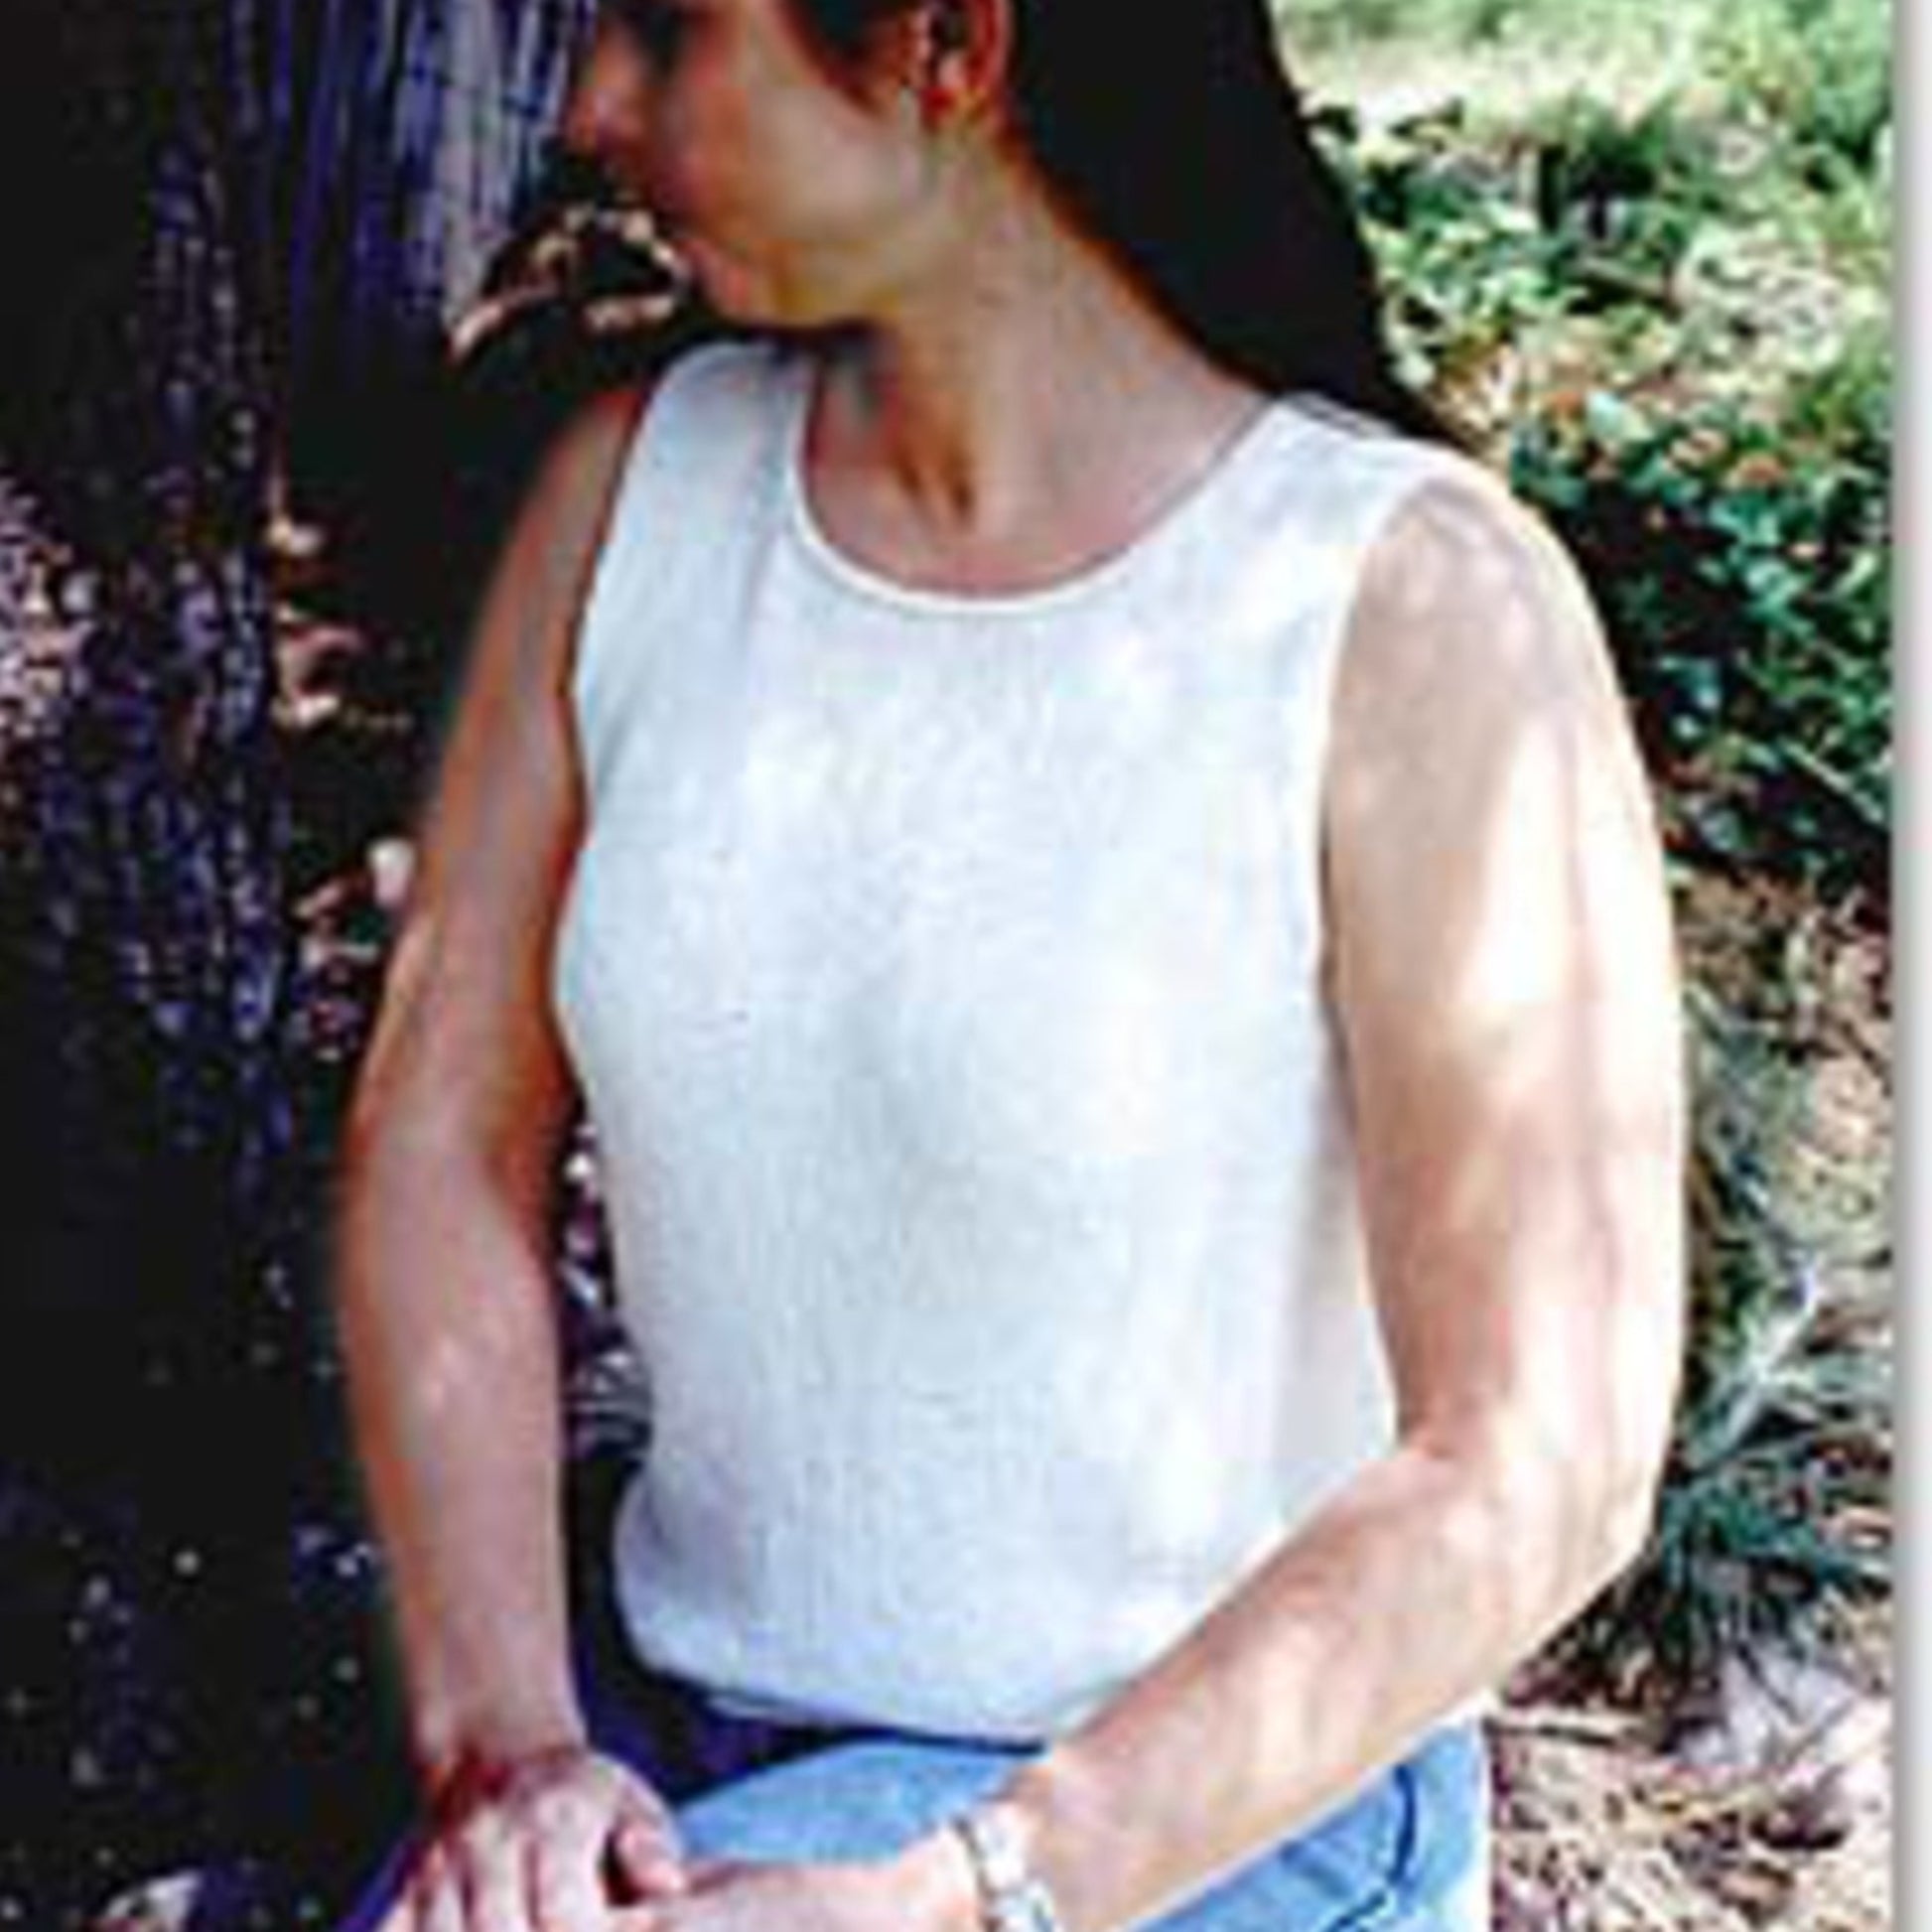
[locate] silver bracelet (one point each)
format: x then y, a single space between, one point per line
1013 1897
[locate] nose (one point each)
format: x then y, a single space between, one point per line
603 110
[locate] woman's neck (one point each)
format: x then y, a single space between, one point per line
1024 410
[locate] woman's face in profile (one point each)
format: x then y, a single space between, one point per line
788 186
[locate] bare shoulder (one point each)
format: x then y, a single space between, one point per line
578 479
596 437
1471 636
544 568
1488 825
1466 586
511 736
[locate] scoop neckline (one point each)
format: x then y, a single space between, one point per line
1161 533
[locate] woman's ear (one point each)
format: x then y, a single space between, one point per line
957 53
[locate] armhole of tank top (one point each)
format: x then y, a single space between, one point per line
1420 464
635 537
679 426
585 654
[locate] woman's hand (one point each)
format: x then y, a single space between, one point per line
561 1841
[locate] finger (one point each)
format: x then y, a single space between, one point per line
495 1890
636 1799
443 1911
567 1893
646 1860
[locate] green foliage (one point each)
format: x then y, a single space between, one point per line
1465 263
1630 189
1817 72
1740 568
1656 335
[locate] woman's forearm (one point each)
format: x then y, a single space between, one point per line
1417 1588
461 1100
451 1346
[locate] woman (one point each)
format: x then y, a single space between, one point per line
1107 918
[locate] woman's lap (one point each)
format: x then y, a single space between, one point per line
1409 1854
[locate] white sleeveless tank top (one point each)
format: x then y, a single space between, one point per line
945 976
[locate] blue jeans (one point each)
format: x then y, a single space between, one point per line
1408 1854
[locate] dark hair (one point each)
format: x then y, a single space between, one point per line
1174 136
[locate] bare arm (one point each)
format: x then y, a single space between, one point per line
1506 988
445 1296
